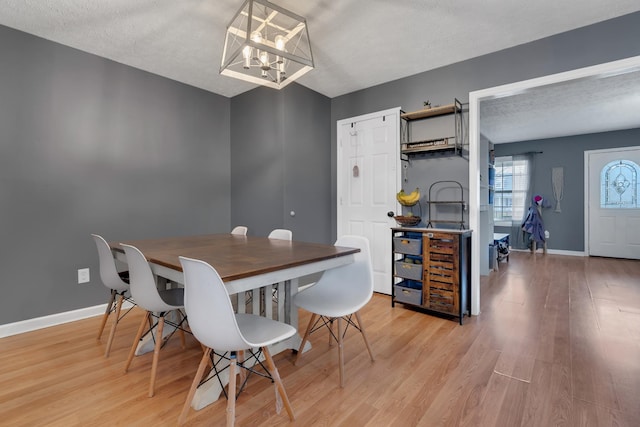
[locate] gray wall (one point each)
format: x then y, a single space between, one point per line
280 156
566 228
91 146
595 44
88 145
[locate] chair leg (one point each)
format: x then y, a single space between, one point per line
106 313
204 349
276 377
231 393
340 352
136 340
156 354
364 336
114 325
305 338
242 373
194 385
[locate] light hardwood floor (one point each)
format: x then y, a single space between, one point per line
557 344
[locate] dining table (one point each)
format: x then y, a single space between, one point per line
261 274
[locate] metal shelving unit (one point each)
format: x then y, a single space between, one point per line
432 203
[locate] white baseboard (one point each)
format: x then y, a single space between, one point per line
568 253
53 320
553 252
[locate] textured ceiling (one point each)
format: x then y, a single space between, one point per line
576 107
356 43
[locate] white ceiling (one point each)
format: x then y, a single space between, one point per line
575 107
356 43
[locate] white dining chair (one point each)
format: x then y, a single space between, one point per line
338 295
260 301
214 323
281 233
240 230
158 304
118 285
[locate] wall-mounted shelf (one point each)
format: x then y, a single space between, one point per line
411 147
429 112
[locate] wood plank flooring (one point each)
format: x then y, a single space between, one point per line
557 344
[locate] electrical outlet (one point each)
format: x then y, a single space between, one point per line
83 275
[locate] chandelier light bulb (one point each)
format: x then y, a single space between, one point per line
246 54
264 61
256 36
280 42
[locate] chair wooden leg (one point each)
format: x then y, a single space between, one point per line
136 340
114 325
305 337
106 313
156 354
276 377
364 336
242 373
194 385
231 393
340 352
204 348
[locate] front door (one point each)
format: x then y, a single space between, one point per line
368 179
613 190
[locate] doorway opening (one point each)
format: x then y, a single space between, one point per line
475 99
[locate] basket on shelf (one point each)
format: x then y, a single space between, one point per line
407 221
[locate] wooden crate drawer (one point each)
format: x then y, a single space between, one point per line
448 287
441 249
442 267
441 243
442 300
442 308
441 280
435 235
441 296
440 258
439 274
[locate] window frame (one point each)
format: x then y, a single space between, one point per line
503 194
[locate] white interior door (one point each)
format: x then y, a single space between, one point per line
368 178
613 190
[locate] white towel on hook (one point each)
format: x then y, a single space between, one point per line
557 180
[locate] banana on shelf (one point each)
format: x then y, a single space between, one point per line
409 199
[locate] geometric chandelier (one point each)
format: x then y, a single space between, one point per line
266 45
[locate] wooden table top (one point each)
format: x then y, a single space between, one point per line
235 257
